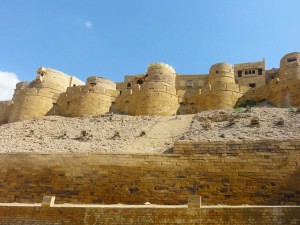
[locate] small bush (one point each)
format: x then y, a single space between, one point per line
280 122
254 121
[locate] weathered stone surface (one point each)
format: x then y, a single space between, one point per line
222 173
35 215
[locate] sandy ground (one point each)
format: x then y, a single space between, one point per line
147 134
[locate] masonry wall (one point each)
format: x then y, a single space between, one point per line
32 103
281 93
242 173
5 110
85 101
220 96
100 215
35 99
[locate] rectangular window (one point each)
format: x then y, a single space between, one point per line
239 73
189 83
252 85
259 71
291 59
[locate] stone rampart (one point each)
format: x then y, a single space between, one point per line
161 72
32 103
93 99
290 67
266 173
140 214
35 99
153 99
281 93
5 110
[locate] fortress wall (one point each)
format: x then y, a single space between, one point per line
221 72
247 78
198 81
284 93
290 67
55 80
217 99
5 110
279 93
36 215
85 101
101 82
161 72
121 104
35 100
267 173
32 103
153 99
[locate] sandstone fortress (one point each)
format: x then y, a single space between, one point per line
160 91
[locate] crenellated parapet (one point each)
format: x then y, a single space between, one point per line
161 72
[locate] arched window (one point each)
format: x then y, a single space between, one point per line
128 85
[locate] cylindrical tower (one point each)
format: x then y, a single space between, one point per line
35 100
221 91
221 72
290 67
93 99
161 72
157 96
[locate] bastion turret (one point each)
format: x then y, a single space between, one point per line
156 95
35 99
93 99
282 90
221 91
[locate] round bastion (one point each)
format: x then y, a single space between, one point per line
290 66
221 72
161 72
101 82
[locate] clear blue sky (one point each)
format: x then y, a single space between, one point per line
113 38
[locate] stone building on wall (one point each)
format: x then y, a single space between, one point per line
158 91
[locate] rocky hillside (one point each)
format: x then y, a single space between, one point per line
147 134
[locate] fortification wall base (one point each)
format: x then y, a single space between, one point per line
5 111
113 215
232 174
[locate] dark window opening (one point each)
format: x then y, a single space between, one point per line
189 83
128 85
140 82
74 85
291 59
253 71
246 72
217 71
252 85
260 71
93 84
120 92
239 73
